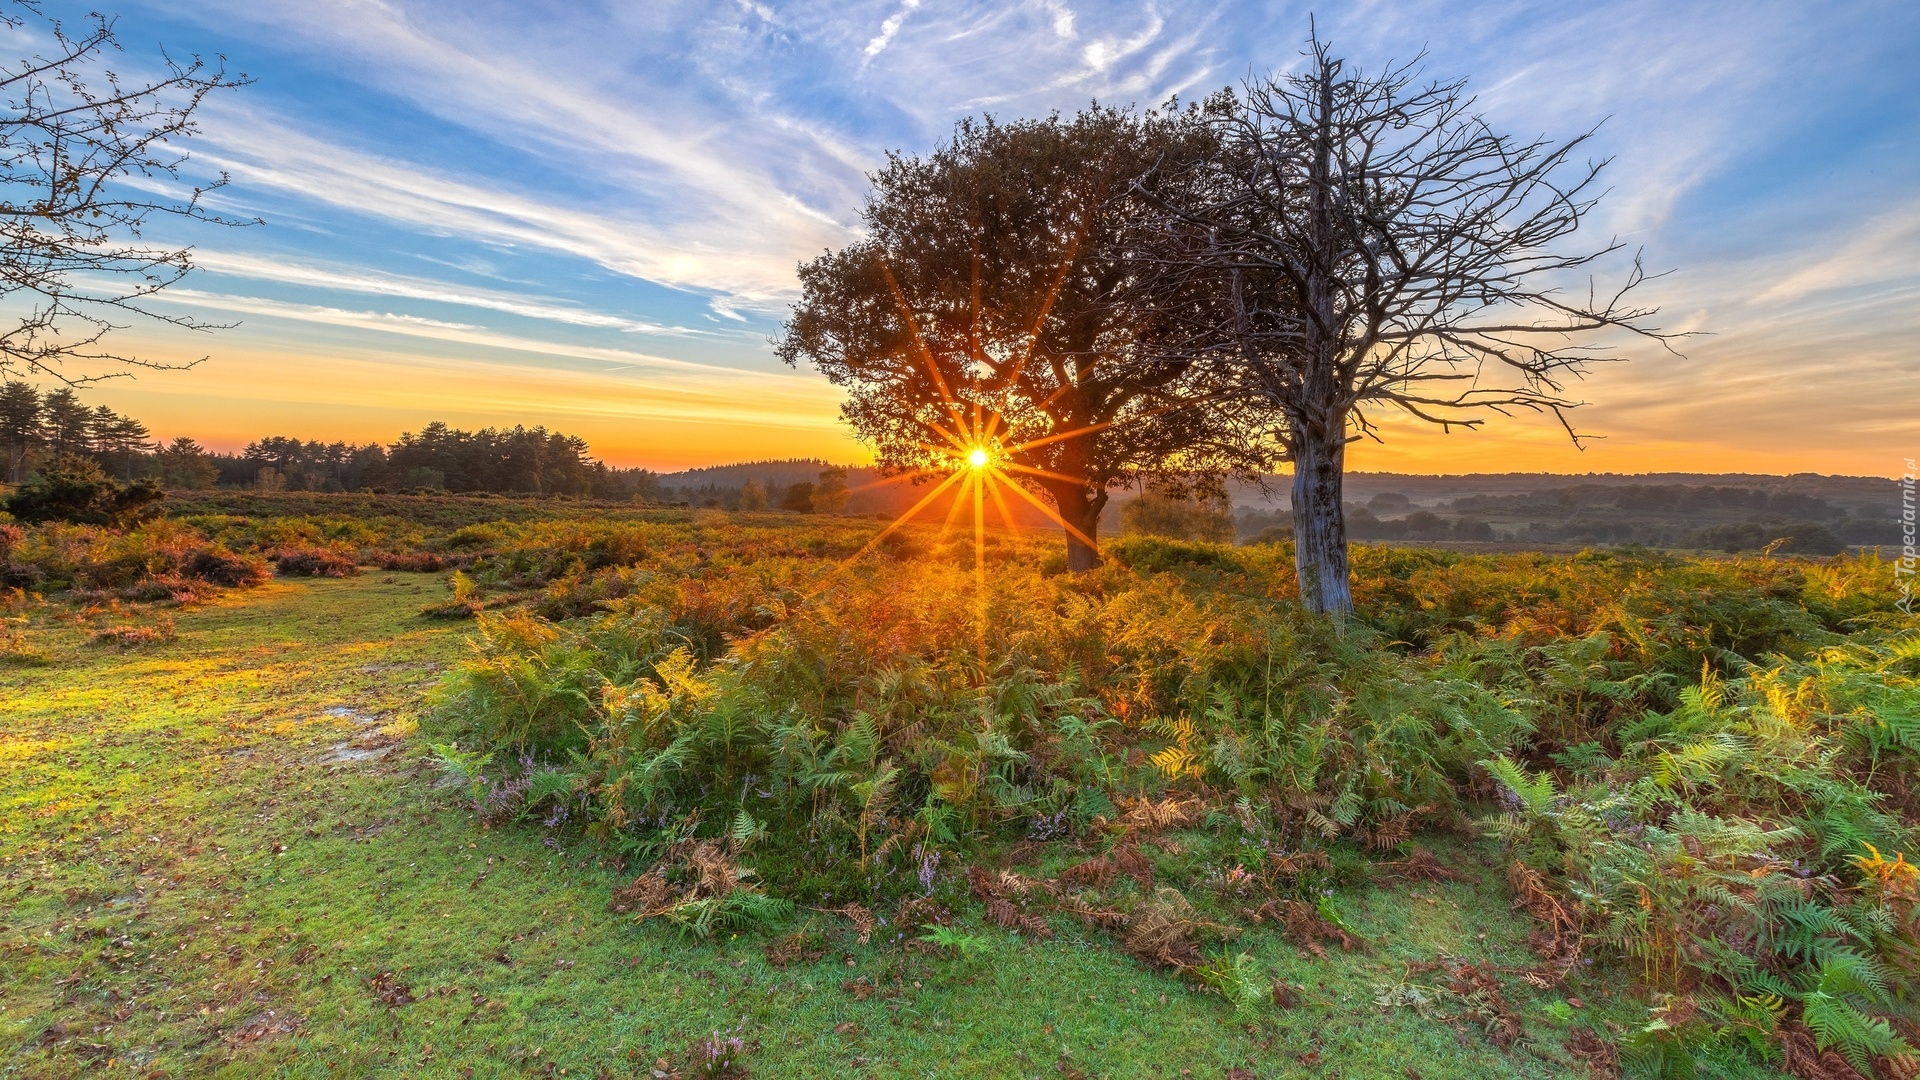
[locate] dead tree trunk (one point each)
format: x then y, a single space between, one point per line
1320 523
1319 422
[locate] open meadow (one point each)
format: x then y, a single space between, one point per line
896 540
500 787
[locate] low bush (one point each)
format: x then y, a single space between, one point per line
158 560
1154 554
220 567
314 562
417 561
73 489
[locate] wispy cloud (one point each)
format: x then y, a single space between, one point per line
717 195
662 367
890 27
381 283
1880 252
682 255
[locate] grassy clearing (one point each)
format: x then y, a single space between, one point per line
216 849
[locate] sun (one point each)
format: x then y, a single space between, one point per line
977 468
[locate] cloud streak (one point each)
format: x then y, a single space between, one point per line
467 334
380 283
890 27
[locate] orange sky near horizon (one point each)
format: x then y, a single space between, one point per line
339 387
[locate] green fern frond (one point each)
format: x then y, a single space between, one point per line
1537 793
1838 1025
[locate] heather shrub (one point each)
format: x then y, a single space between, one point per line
221 567
314 562
416 561
161 559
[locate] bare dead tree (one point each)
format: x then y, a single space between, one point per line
88 159
1373 243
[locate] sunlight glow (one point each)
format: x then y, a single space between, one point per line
977 459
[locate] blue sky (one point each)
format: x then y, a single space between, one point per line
589 216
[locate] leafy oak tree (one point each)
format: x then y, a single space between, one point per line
995 304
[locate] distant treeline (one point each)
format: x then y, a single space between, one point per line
40 429
1693 516
37 429
785 484
517 460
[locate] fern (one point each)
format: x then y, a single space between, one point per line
957 941
1837 1024
745 830
741 909
1535 793
1237 978
551 784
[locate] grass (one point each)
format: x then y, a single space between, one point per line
218 853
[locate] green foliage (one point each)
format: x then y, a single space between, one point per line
1731 848
73 489
957 941
1692 755
1155 554
741 909
468 765
1237 978
383 871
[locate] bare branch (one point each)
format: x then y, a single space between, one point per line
82 153
1370 243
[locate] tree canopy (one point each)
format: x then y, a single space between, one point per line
1000 302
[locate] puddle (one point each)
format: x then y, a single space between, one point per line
342 712
347 752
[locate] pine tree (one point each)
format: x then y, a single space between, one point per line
68 422
20 424
183 464
116 436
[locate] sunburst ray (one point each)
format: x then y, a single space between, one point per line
1045 509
